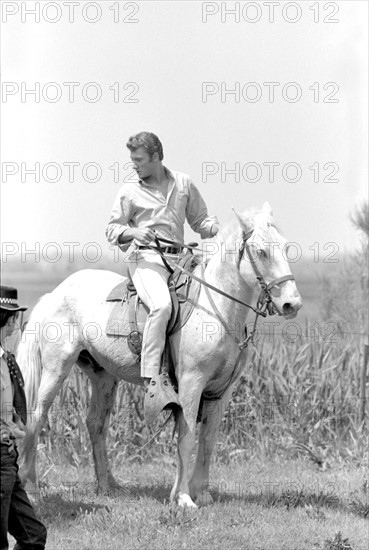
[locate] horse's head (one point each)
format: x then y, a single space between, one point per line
263 260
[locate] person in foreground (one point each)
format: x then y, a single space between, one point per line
17 514
155 204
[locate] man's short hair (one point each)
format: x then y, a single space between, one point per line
149 141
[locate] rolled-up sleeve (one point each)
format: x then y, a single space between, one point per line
197 213
119 220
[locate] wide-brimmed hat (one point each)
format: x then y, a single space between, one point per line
9 299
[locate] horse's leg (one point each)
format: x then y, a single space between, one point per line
180 493
56 367
212 413
104 389
190 401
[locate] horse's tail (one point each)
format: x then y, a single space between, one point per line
29 353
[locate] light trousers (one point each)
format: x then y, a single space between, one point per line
150 277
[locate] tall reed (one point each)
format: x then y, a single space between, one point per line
291 396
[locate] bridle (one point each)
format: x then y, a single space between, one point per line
264 302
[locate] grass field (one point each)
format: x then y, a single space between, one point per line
278 504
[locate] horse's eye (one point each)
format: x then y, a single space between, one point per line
262 253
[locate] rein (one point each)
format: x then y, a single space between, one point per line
264 301
190 274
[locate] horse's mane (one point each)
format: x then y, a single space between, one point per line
248 217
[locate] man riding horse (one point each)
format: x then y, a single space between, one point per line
154 206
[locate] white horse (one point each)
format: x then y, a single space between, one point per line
207 353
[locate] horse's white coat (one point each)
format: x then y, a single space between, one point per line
206 350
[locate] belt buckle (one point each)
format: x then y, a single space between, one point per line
173 249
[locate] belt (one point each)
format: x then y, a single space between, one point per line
165 249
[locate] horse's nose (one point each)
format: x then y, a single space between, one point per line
291 308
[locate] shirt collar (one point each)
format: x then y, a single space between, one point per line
1 351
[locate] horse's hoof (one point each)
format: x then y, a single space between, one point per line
204 499
113 491
185 501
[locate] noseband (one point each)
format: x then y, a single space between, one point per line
265 300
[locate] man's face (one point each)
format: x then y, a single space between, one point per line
143 164
13 323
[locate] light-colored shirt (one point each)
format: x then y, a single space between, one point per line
139 204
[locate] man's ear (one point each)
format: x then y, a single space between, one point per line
155 157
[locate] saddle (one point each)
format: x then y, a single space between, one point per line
128 314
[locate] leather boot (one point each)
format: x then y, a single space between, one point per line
160 395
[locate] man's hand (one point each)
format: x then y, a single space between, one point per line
214 229
143 235
14 429
18 432
5 432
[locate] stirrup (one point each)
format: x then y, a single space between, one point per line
160 395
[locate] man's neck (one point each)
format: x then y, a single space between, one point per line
159 178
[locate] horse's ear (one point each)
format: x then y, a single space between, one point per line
267 209
238 215
244 223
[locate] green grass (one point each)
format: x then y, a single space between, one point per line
266 505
